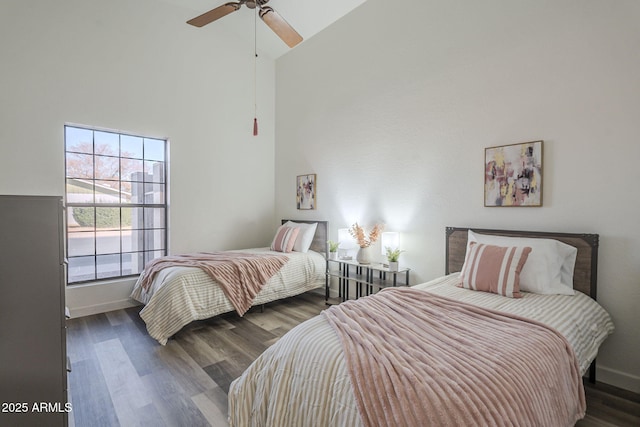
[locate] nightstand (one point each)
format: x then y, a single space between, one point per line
364 279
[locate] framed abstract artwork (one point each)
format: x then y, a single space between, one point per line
513 175
306 191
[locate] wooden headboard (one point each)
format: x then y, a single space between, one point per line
585 274
319 243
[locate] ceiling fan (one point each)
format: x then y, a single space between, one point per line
267 14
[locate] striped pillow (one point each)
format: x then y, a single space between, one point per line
494 269
285 239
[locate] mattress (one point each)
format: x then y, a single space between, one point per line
180 295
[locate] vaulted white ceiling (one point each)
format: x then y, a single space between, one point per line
306 16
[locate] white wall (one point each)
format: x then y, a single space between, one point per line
136 66
393 105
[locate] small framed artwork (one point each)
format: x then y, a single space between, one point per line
306 191
513 175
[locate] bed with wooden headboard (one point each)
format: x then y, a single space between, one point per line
585 274
184 292
309 373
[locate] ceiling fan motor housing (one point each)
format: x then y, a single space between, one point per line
251 4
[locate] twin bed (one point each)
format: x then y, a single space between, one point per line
440 354
179 295
504 338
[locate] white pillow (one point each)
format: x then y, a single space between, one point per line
305 236
549 267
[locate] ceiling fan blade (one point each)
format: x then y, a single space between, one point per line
212 15
280 26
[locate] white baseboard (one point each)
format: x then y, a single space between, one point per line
99 297
618 379
102 308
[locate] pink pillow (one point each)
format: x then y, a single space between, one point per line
494 269
285 239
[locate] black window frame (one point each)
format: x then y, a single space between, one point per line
145 233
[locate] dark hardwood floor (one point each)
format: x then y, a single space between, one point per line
122 377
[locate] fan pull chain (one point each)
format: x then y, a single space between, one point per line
255 73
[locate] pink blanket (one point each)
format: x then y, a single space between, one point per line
417 359
240 275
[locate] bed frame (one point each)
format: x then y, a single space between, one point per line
320 239
585 274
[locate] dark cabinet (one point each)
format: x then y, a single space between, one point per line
33 368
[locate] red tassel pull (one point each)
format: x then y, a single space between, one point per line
255 126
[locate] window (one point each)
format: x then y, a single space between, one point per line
116 203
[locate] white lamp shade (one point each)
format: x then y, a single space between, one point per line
345 239
389 239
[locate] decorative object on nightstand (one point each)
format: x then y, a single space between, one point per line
392 257
333 249
346 244
389 239
390 244
364 255
364 241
